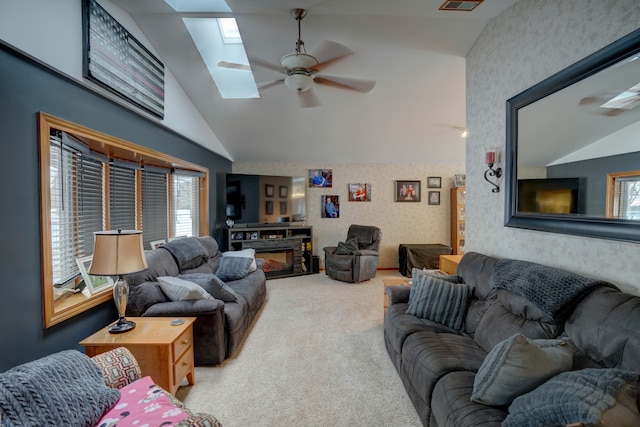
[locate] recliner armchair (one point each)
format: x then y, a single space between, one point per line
356 259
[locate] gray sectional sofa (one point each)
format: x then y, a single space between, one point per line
221 322
447 371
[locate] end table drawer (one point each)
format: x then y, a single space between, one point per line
183 342
183 366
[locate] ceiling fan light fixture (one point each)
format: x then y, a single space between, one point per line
298 60
299 82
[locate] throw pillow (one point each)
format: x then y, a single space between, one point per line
142 403
177 289
416 272
587 397
348 247
212 284
434 299
518 365
233 268
245 253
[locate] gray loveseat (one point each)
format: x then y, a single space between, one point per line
438 364
220 325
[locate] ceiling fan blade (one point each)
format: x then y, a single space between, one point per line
328 51
234 65
360 85
267 85
267 64
308 98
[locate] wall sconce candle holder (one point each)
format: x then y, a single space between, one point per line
490 159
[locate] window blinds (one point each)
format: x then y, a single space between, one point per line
154 205
76 205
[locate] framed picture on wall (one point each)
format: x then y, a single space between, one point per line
330 206
269 190
434 182
407 191
320 177
434 197
269 207
284 191
359 192
118 62
94 284
283 208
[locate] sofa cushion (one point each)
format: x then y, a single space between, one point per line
517 365
452 405
212 284
513 314
142 403
348 247
233 268
438 300
188 252
178 289
590 397
143 296
245 253
615 316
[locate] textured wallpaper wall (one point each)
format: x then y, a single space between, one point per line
409 222
526 44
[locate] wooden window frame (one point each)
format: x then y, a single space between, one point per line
55 312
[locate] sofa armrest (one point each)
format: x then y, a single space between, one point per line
398 294
119 367
184 308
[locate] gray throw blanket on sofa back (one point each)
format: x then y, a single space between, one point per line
551 289
62 389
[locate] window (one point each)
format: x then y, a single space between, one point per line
91 182
623 195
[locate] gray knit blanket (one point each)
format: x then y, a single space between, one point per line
551 289
62 389
188 252
572 397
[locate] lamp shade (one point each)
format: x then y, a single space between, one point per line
117 252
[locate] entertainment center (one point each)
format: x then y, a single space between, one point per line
286 249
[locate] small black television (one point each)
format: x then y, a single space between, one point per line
256 200
549 195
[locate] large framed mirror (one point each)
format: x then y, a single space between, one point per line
572 161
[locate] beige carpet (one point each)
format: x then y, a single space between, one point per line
314 357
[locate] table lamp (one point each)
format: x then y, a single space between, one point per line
116 253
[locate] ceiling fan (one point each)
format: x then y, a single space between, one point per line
302 69
614 103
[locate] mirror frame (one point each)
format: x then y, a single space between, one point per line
605 228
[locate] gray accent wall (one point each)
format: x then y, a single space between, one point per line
26 88
525 44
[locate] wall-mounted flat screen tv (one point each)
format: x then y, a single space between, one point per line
551 195
265 199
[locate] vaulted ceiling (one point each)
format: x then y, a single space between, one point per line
412 50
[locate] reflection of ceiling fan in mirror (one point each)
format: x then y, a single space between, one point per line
614 103
302 69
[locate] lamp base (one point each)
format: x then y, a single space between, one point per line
121 326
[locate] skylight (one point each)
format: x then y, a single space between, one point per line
199 5
219 42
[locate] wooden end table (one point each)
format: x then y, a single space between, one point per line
163 351
449 263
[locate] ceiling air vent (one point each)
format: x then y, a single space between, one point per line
465 6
